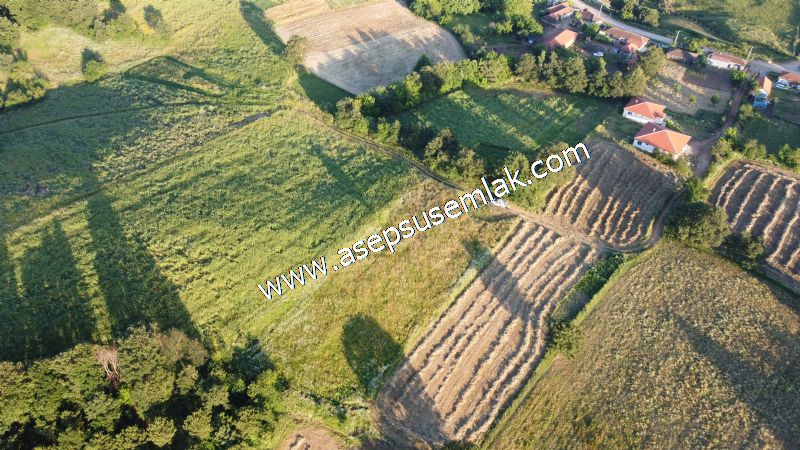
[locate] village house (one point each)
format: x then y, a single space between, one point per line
631 42
680 55
657 137
558 13
787 80
590 17
761 95
643 111
564 38
726 61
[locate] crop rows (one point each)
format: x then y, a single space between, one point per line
766 204
482 350
614 196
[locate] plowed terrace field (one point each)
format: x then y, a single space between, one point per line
482 350
365 46
766 203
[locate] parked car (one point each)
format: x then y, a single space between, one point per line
598 54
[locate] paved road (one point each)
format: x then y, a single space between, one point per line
756 64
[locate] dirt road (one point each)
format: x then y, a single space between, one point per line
701 150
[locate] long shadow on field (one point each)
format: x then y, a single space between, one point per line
257 21
135 290
372 354
770 389
51 313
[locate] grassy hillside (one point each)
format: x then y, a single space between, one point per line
165 191
771 23
683 350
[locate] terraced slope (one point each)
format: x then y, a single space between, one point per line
766 203
366 46
614 197
482 350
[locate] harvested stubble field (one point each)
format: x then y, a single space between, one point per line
365 46
765 203
481 351
614 196
683 350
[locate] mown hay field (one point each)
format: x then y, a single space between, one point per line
362 47
614 196
764 203
477 356
682 350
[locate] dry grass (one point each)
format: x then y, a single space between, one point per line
365 46
684 350
670 88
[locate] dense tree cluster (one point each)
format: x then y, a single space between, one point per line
517 14
151 389
631 10
698 224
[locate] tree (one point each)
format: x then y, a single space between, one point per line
441 150
423 61
698 224
198 424
527 68
617 86
649 16
745 249
666 6
572 75
527 26
296 49
513 8
627 10
722 149
745 112
635 82
161 431
469 164
697 191
754 149
692 99
494 68
109 359
715 99
738 76
590 30
789 157
651 61
694 46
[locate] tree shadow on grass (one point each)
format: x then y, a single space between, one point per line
257 21
135 290
51 314
370 351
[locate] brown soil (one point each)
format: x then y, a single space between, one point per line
311 439
478 355
366 46
765 203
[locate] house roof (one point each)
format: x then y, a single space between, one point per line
652 111
681 55
557 7
566 10
631 38
765 84
587 15
563 38
630 47
790 77
726 58
660 137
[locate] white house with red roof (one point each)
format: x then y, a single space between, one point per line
643 111
558 12
788 79
632 42
725 61
657 137
564 38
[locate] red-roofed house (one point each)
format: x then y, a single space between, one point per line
787 80
558 12
726 61
632 41
642 111
590 17
761 95
657 137
564 38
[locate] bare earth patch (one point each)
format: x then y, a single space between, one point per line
766 203
478 355
311 439
365 46
674 85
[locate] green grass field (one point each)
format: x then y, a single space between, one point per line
772 132
516 118
681 349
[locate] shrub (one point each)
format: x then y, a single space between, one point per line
566 338
296 49
9 35
696 189
699 225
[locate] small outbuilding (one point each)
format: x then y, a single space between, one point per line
763 90
726 61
